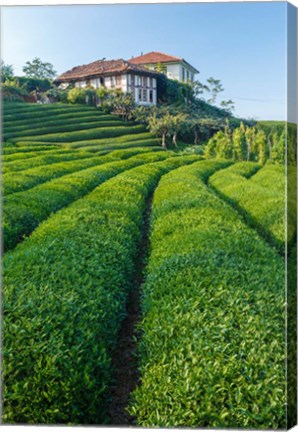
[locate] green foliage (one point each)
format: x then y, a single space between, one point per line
11 91
212 351
39 69
44 130
62 291
43 159
76 96
23 211
248 143
261 198
6 72
94 133
32 84
36 175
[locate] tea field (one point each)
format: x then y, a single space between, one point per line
94 209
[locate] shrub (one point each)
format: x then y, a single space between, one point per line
212 350
76 96
24 211
61 327
261 198
80 135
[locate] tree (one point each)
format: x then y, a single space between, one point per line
228 105
162 126
176 124
214 87
261 146
250 136
6 71
39 69
239 143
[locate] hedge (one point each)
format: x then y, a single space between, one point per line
152 142
212 352
65 293
35 122
16 154
44 159
106 141
261 199
13 150
24 211
64 128
23 180
84 134
27 115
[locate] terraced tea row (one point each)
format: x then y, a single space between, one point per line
44 159
20 181
261 199
212 350
23 211
59 120
78 126
11 150
94 133
64 299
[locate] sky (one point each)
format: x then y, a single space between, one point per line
242 44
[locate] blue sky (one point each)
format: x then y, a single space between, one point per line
242 44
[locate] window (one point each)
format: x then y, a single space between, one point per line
113 81
132 79
151 96
150 82
144 95
187 75
140 94
183 74
118 80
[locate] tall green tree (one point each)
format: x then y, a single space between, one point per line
239 143
261 146
214 87
250 135
162 126
39 69
7 71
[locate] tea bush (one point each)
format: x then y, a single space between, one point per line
44 159
212 351
21 181
13 150
64 300
95 133
56 120
261 199
62 128
23 211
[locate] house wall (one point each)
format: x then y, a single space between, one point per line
143 88
175 71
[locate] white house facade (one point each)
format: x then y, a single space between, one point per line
173 67
114 74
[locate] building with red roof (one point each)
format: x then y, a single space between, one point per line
173 67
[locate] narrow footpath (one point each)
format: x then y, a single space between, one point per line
124 360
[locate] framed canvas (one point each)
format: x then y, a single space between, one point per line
149 215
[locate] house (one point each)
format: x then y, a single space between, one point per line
114 74
173 67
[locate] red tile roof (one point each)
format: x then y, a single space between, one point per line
158 57
101 68
154 57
